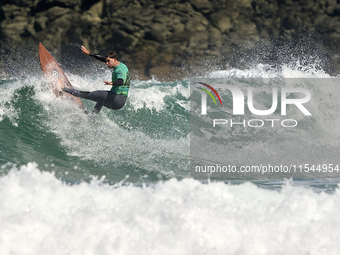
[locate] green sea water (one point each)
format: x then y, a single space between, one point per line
147 140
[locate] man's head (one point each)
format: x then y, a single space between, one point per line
111 59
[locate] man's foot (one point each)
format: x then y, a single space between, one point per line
68 90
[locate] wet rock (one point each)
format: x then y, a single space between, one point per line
225 32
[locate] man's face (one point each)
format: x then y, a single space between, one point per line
111 62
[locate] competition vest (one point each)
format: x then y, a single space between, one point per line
121 72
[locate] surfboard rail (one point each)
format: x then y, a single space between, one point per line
55 76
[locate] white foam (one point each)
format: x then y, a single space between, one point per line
152 95
41 215
260 71
8 99
293 70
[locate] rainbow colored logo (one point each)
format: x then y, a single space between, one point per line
208 92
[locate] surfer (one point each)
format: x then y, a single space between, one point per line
115 98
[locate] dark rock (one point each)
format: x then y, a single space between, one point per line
157 36
201 5
222 21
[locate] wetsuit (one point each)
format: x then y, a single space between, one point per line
115 98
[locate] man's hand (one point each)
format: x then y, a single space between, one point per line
108 83
84 50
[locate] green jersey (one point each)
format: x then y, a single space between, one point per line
121 72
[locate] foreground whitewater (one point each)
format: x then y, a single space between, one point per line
42 215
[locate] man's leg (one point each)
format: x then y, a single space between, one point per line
76 93
102 97
97 107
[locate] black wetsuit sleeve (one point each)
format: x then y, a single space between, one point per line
99 57
118 82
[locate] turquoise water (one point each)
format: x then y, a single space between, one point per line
146 140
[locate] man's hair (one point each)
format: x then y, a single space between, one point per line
112 54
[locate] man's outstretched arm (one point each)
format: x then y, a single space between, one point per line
86 52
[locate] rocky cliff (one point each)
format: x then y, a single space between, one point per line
176 37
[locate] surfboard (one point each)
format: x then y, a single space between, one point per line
55 75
